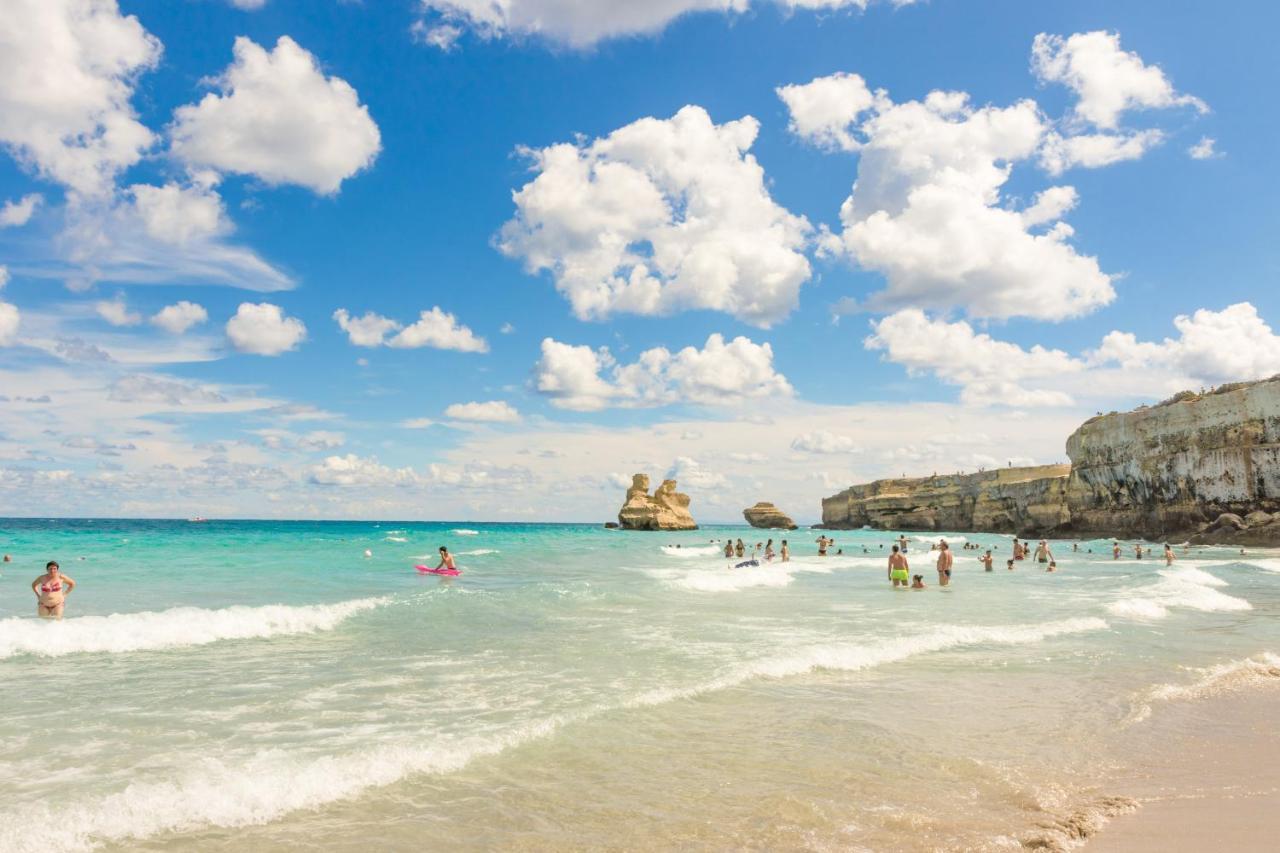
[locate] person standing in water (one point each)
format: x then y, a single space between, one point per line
446 560
985 559
51 590
945 561
822 545
1137 551
768 551
1043 554
917 582
902 543
899 571
740 549
1115 551
1168 555
786 552
728 549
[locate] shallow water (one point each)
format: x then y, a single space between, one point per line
262 685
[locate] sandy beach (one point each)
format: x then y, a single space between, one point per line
1209 781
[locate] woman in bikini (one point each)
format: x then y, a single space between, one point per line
51 590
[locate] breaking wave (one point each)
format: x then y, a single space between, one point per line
1188 588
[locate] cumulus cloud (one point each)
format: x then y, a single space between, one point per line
660 216
579 24
263 329
116 312
1106 79
493 411
1231 345
176 214
1050 205
370 330
1094 150
353 470
718 374
278 117
826 110
926 210
691 474
824 441
988 371
18 212
70 68
1204 149
180 316
440 330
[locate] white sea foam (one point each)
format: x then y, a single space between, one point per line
274 782
167 629
692 550
463 531
775 574
478 552
934 540
1185 587
1230 677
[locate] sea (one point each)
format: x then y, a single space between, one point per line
270 686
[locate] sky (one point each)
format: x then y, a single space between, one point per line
466 260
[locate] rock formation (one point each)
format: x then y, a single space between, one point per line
1181 466
1204 466
1030 501
765 514
667 509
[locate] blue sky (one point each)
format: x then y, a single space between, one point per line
274 162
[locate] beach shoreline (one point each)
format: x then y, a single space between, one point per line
1208 777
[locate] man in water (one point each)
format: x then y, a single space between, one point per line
728 549
985 559
446 560
822 545
945 561
1168 555
898 568
902 543
1115 551
1137 551
1043 554
1053 566
51 590
1009 565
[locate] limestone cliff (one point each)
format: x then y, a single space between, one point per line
1175 467
765 514
666 509
1031 501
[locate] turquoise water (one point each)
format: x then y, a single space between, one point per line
264 685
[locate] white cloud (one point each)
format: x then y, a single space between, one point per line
1050 206
580 24
507 329
1204 149
367 331
4 276
178 215
1106 79
1231 345
248 5
926 212
116 312
988 371
1094 150
660 216
263 329
10 319
690 474
718 374
353 470
69 68
279 118
180 316
440 330
825 111
493 411
16 213
823 441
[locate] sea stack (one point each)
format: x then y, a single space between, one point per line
765 514
666 509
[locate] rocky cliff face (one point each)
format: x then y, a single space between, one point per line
1006 500
666 509
765 514
1175 467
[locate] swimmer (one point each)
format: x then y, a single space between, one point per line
768 551
1053 566
898 568
985 559
1168 555
1009 565
1043 554
739 549
1137 552
945 561
822 545
786 552
8 559
51 590
917 582
1115 551
728 549
446 560
902 543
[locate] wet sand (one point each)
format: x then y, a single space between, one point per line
1209 781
